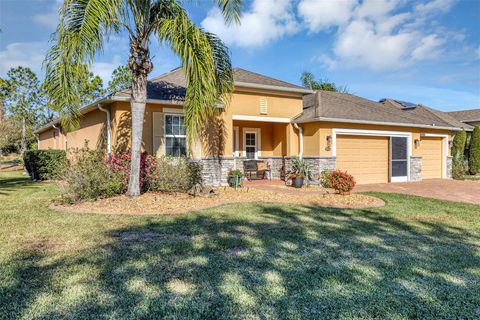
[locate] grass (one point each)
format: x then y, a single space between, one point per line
414 258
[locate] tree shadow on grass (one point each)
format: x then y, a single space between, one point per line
272 262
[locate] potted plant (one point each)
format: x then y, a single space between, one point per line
300 171
235 178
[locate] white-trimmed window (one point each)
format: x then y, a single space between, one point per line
175 137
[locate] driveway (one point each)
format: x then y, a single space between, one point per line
443 189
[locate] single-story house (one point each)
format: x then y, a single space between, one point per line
273 120
471 117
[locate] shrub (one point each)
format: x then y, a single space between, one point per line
459 169
90 177
121 162
341 181
44 164
173 174
458 147
325 178
474 154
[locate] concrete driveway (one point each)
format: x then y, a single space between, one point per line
443 189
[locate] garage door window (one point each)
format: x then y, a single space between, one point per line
399 159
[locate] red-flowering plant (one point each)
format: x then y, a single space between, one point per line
341 181
121 162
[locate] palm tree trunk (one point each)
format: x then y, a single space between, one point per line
140 65
23 144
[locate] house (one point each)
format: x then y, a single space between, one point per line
471 117
275 121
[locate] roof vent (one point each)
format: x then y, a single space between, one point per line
263 105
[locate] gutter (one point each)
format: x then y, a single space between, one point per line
300 129
107 112
274 88
382 123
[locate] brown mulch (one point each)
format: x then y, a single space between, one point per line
163 203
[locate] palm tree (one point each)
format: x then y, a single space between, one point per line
81 34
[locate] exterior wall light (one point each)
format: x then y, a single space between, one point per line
450 143
417 143
329 143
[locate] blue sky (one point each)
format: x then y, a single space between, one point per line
420 51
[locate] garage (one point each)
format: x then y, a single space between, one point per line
430 150
365 157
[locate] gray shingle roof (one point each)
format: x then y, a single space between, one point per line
171 85
324 105
466 115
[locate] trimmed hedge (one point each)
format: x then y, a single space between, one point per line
44 164
458 148
474 157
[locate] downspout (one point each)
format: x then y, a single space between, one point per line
301 139
108 127
58 138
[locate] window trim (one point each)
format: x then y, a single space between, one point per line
172 135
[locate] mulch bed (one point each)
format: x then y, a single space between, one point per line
164 203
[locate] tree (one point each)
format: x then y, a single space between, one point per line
121 79
459 167
82 32
474 158
22 99
309 82
90 85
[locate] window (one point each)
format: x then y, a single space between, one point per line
251 145
175 138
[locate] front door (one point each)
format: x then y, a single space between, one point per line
251 145
398 159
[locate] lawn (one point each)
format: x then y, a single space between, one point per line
413 258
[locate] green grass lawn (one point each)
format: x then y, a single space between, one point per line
415 258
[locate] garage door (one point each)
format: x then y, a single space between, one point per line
431 152
366 158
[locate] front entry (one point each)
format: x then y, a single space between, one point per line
398 159
251 145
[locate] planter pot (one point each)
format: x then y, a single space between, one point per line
297 182
235 181
344 193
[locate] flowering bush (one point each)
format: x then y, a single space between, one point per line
121 162
341 181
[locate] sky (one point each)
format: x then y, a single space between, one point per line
424 52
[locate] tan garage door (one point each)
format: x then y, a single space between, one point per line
431 152
366 158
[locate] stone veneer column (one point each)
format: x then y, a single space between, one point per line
449 167
415 168
319 164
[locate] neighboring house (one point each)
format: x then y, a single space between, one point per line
471 117
274 120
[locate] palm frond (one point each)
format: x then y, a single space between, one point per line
206 63
231 10
80 35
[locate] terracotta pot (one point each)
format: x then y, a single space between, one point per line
344 193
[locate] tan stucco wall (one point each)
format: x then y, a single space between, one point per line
325 129
91 132
51 139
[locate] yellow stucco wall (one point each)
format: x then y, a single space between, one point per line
325 129
91 132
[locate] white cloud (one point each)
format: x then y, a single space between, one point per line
267 20
360 43
478 52
323 14
26 54
105 69
429 48
378 34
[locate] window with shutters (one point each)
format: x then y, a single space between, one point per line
175 137
263 105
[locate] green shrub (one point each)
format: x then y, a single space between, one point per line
325 178
459 169
458 147
45 164
474 154
173 174
90 177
